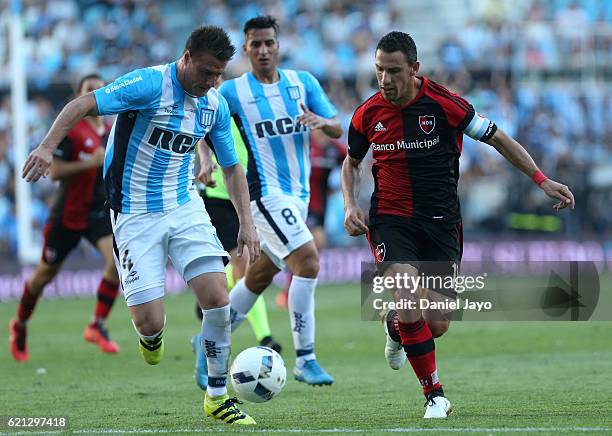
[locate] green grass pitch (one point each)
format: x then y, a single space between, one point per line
524 378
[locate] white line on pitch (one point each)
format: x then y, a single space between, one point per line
324 430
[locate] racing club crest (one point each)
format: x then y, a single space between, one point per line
294 92
427 123
206 117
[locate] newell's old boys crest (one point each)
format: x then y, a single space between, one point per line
379 252
206 117
294 92
427 123
50 254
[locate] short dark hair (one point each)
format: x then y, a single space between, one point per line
261 22
213 40
85 78
399 41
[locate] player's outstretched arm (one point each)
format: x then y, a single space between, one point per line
354 217
38 162
516 154
238 191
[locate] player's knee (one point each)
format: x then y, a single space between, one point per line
217 299
257 282
41 277
259 279
149 325
148 318
35 286
438 328
110 273
308 265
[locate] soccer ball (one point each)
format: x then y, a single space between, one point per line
258 374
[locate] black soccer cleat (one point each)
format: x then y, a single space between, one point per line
269 342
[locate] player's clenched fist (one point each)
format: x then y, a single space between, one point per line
37 164
355 221
206 173
97 157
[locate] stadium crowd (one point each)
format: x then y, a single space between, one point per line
550 88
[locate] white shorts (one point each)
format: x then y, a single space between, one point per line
281 225
143 242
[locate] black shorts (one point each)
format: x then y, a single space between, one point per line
60 241
224 219
432 247
315 219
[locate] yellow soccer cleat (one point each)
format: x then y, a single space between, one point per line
224 408
152 351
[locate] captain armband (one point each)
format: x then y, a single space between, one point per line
480 128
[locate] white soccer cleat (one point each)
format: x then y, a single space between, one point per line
394 352
437 407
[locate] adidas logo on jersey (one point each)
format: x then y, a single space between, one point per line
379 127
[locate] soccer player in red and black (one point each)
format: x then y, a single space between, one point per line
78 211
325 154
415 127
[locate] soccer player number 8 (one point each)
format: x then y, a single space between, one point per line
289 217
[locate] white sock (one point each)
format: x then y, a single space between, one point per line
216 341
301 313
242 300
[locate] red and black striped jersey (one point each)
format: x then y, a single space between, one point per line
82 195
325 154
416 149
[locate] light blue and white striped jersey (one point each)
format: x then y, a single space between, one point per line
278 146
149 161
